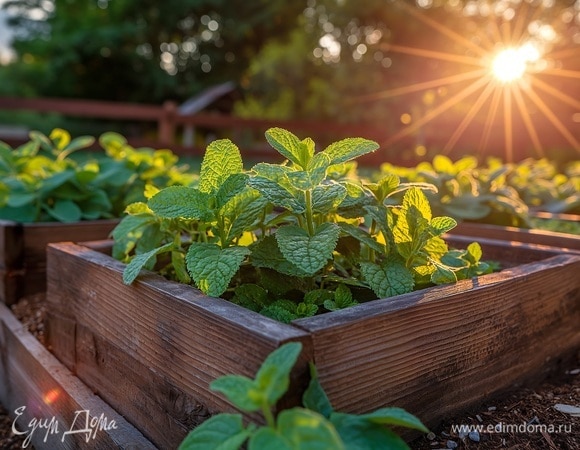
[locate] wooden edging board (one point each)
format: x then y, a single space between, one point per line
529 236
37 389
23 252
156 345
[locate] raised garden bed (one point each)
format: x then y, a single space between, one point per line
23 252
530 236
152 348
34 385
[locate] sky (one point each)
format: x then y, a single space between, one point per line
4 36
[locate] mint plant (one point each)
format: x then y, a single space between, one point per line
294 239
316 425
47 179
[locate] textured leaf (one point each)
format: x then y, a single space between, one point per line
440 225
474 252
222 159
362 236
309 253
140 261
266 253
395 416
181 202
242 391
213 267
285 143
314 397
268 438
220 432
65 211
231 187
443 275
285 197
327 197
241 212
360 434
350 148
308 430
392 278
273 377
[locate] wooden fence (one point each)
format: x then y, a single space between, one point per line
175 131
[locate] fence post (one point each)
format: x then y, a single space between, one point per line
166 126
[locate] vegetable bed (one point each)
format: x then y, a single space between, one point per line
151 349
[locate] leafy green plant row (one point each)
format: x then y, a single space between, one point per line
496 193
293 239
315 426
46 179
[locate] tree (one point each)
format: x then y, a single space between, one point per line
130 50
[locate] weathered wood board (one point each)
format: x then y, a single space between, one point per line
432 352
35 385
540 237
151 349
23 252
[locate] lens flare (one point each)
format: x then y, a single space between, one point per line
511 64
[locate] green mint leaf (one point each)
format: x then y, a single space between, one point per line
314 397
350 148
362 236
287 144
232 186
474 252
65 211
241 212
20 199
440 225
306 310
178 263
181 202
392 278
58 179
266 254
140 261
213 267
273 377
387 184
221 432
317 168
308 253
395 416
327 197
415 199
251 296
241 391
222 159
278 313
285 197
443 275
360 434
269 438
308 430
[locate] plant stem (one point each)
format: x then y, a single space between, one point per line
268 415
309 214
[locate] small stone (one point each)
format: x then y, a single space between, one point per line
451 444
462 434
491 408
478 417
431 436
444 434
474 436
574 372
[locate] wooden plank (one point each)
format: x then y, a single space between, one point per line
23 252
540 237
437 351
35 385
155 334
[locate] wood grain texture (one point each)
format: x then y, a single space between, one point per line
23 252
514 234
437 351
432 352
32 378
155 339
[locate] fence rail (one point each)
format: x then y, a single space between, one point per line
174 130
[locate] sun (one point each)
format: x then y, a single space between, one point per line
509 81
511 64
